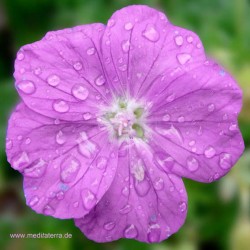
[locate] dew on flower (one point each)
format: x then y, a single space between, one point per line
117 116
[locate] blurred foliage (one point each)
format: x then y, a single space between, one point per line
218 216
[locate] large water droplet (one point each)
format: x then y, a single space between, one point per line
125 46
178 40
183 58
80 92
48 210
171 133
33 201
88 149
100 80
60 138
126 209
101 162
69 169
225 160
192 163
60 106
20 161
154 233
26 86
109 225
130 231
163 161
158 183
151 33
77 66
53 80
209 152
89 199
142 187
128 26
36 169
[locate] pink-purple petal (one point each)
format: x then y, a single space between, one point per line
143 202
62 75
67 167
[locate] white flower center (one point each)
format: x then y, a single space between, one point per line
124 119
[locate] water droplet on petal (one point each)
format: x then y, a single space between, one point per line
101 162
91 51
37 71
36 169
60 195
190 39
171 133
183 58
130 232
9 144
209 152
166 118
80 92
123 67
69 169
225 160
76 204
125 46
87 116
60 106
163 161
48 210
89 199
211 107
27 87
126 209
109 225
191 143
33 201
88 149
100 80
20 56
111 23
225 117
142 187
158 183
53 80
181 119
183 206
77 66
20 161
233 127
60 138
27 141
178 40
192 163
154 233
151 33
125 191
128 26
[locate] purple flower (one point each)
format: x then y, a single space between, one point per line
112 117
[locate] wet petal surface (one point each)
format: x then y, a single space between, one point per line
67 167
142 203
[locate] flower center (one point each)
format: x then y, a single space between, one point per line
124 119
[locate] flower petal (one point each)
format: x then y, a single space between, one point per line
142 203
198 128
67 167
141 47
62 76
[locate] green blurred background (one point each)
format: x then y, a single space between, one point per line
219 213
